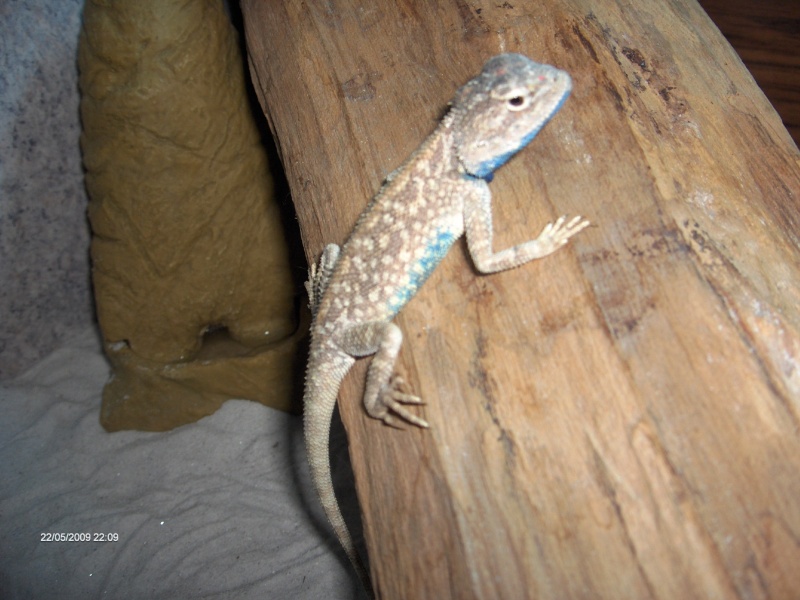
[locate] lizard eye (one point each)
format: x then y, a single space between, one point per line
517 102
514 98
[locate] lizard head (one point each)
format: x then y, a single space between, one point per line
498 112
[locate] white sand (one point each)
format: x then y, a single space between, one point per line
216 509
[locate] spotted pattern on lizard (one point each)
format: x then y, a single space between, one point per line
439 194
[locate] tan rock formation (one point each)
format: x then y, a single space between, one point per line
187 239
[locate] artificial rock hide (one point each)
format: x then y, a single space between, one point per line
190 265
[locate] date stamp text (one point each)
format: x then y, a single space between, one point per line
78 537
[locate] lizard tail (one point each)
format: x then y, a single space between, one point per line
319 403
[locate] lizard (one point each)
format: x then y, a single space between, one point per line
439 194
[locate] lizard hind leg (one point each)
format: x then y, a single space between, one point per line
383 398
318 277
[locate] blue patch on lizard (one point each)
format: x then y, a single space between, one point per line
419 272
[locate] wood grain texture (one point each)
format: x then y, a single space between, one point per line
619 420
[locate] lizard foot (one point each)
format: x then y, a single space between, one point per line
555 235
392 400
318 276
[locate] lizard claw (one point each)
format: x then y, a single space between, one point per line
556 234
559 232
393 399
394 387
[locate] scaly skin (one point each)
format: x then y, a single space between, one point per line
439 194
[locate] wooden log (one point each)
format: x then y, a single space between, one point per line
619 420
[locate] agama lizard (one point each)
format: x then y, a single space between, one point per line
440 193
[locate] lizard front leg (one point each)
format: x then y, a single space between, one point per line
382 396
478 229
